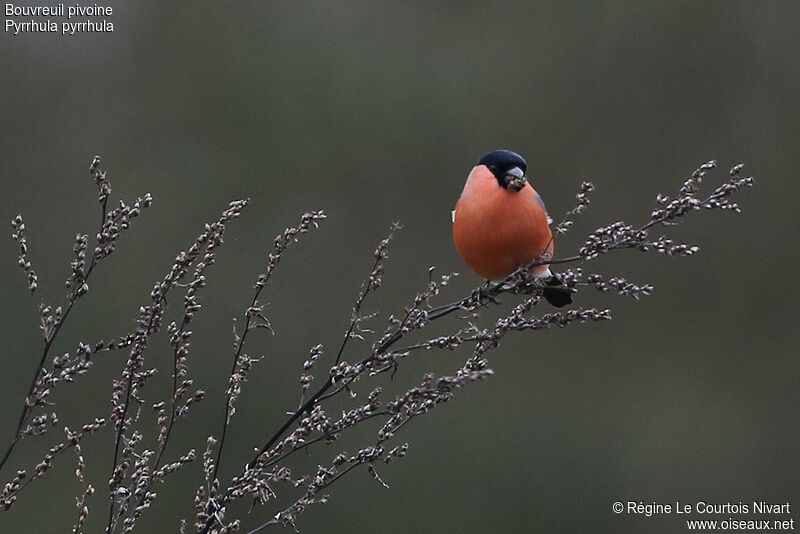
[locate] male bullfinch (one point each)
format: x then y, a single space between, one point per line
500 223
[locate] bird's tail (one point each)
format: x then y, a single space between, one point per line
555 292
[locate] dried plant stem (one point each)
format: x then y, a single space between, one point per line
173 397
277 520
254 314
149 323
372 282
120 431
57 450
173 409
320 394
348 335
319 438
27 406
77 290
237 354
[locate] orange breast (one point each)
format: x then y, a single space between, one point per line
496 231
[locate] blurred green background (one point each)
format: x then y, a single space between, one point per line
375 112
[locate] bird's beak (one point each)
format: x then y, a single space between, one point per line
514 179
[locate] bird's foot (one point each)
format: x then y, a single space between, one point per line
485 293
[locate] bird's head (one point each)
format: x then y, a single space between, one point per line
508 167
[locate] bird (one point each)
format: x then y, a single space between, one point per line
500 224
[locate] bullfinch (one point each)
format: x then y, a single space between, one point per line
500 224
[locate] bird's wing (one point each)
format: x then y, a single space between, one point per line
541 202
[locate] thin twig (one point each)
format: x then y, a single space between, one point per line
76 292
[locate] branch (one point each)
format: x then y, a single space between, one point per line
112 224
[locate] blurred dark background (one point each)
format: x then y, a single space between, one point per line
375 112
